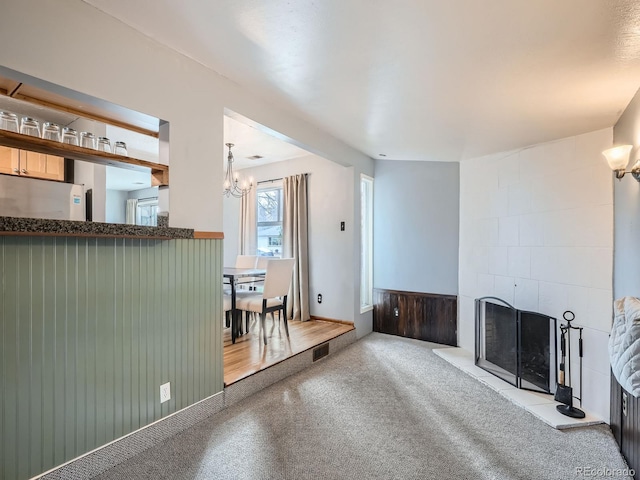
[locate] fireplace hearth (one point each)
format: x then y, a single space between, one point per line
517 346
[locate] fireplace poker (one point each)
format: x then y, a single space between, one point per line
580 355
562 356
564 392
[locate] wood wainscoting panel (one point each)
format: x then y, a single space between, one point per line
423 316
625 423
91 328
616 410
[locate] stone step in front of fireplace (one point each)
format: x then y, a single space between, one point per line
540 405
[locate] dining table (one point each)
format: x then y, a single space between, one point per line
231 276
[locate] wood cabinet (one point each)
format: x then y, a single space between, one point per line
423 316
9 161
31 164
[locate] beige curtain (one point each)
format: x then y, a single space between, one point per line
130 213
247 235
295 244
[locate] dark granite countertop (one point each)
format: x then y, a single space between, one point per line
69 228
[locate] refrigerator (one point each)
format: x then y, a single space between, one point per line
34 198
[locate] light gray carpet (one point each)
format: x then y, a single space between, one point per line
385 407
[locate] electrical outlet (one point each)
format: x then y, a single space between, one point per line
319 298
342 226
165 392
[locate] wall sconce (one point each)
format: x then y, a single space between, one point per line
618 159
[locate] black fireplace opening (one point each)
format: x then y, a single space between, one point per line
500 342
515 345
537 337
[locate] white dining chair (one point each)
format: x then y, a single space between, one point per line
245 261
226 308
257 283
274 295
261 264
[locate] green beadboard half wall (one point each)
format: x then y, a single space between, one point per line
91 327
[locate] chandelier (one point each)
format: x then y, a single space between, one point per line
232 185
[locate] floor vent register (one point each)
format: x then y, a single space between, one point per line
320 352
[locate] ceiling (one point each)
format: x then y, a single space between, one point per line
249 142
416 79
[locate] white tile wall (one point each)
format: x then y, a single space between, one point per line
484 283
544 219
466 309
578 302
519 200
508 170
480 260
519 264
600 271
534 162
487 231
596 392
526 294
531 233
599 314
552 298
508 235
563 154
504 288
498 260
599 358
499 203
467 284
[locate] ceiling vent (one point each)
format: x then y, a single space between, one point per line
255 157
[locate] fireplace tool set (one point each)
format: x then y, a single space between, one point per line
564 392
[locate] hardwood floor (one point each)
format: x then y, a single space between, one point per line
249 354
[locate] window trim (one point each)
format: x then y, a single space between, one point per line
368 236
275 185
147 202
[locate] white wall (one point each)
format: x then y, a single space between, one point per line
116 206
331 251
146 80
151 192
93 177
415 226
626 270
536 229
231 225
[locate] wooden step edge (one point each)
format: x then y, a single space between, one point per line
333 320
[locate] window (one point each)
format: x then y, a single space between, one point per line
269 215
366 243
147 212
